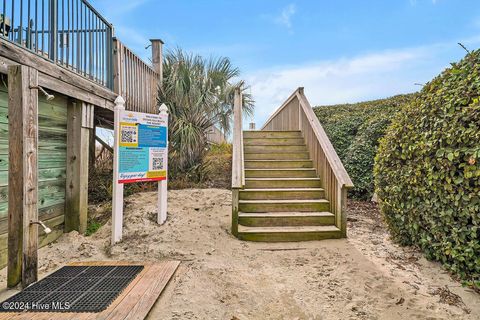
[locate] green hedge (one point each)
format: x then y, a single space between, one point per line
427 170
354 130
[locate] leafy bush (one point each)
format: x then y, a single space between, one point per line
215 170
427 170
354 130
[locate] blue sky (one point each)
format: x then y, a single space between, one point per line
340 51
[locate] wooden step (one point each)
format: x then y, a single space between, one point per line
282 194
273 141
276 219
281 173
261 183
277 156
283 205
275 149
271 134
285 234
277 164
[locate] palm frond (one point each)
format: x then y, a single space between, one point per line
199 94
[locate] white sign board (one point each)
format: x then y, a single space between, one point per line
140 154
142 147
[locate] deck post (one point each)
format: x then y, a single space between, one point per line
23 175
157 58
157 62
79 127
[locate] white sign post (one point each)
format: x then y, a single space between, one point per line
140 155
162 184
117 196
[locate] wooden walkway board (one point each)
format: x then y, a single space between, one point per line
135 301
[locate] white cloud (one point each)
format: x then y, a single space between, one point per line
285 17
352 79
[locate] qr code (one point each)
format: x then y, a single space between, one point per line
157 163
129 134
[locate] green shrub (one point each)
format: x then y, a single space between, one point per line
92 227
354 130
427 170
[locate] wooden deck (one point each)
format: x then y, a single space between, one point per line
135 301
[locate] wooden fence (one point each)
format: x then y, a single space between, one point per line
134 80
297 114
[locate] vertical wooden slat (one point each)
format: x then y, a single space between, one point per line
23 175
139 84
128 79
117 67
136 82
144 88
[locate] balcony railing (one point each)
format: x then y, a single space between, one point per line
70 33
134 80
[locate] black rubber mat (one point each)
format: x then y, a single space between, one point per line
74 289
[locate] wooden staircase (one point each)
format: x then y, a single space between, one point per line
278 187
282 199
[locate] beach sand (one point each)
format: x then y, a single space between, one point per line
363 277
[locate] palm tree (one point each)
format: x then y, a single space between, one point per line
199 94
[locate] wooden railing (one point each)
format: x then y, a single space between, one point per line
238 176
134 80
297 114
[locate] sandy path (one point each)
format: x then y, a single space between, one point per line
363 277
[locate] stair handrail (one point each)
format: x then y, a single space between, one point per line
332 156
296 113
238 175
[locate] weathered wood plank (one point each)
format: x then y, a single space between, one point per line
51 223
44 214
30 175
17 95
23 175
151 285
45 161
50 192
